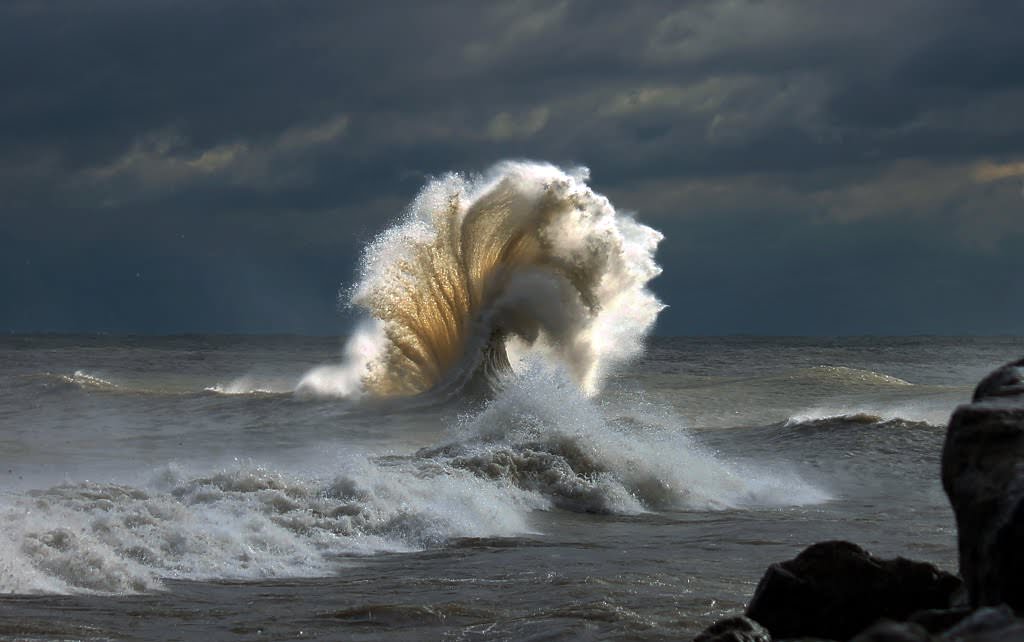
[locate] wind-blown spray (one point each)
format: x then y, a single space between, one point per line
526 254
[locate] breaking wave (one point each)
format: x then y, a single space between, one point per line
542 435
524 258
854 420
934 413
538 444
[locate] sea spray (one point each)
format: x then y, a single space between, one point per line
245 521
540 433
525 252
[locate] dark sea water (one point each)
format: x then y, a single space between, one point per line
177 489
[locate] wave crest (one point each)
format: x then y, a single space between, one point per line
855 376
527 251
86 381
541 436
825 419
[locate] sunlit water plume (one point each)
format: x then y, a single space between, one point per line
526 256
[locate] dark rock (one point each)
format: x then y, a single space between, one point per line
889 631
987 624
836 589
1007 381
938 620
734 629
983 474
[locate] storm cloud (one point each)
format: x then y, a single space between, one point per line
816 167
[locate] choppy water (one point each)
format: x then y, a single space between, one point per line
175 488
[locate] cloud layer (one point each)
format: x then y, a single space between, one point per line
215 166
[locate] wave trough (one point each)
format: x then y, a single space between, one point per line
526 256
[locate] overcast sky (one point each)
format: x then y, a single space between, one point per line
816 167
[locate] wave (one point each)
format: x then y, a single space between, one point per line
246 386
82 380
854 420
85 381
924 414
524 258
248 522
843 374
538 444
542 435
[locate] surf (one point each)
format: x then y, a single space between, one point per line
524 258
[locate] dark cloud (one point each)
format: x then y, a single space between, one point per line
238 154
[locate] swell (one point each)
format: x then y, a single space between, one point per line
81 380
527 256
853 421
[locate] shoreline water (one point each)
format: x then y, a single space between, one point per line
808 408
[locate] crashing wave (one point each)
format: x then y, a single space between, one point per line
538 444
526 255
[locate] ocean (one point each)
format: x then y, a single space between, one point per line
499 449
177 488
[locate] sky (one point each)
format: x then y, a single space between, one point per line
822 168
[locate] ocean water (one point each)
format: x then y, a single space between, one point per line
178 488
498 449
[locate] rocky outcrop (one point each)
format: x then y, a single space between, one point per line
834 590
890 631
735 629
987 624
983 474
837 591
1007 381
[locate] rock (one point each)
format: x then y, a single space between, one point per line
987 624
983 474
889 631
734 629
836 589
1007 381
938 620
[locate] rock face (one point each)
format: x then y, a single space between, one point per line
836 589
987 624
734 629
889 631
983 474
1007 381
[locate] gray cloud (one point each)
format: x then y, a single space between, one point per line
198 137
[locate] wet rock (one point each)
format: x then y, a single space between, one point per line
938 620
889 631
735 629
987 624
983 475
836 589
1007 381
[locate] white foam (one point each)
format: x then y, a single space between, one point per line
87 381
541 433
246 385
540 444
244 522
362 351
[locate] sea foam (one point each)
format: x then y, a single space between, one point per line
539 444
